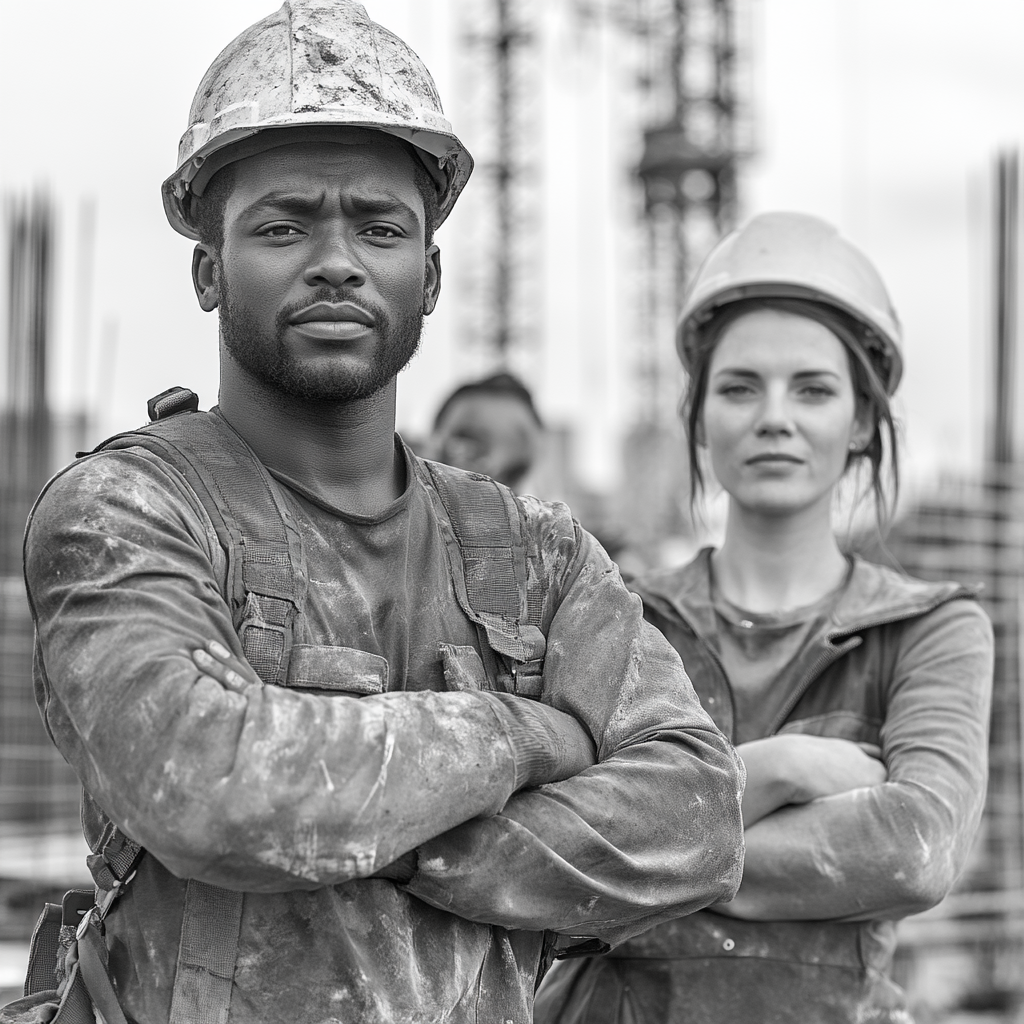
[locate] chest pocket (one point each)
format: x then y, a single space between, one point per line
345 671
464 668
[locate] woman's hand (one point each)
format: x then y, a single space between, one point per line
217 663
797 768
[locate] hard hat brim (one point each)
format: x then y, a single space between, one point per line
447 161
767 288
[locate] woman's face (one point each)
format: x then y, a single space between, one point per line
780 412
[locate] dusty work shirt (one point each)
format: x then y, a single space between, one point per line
899 663
297 797
757 649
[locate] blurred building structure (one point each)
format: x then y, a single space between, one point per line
967 953
38 791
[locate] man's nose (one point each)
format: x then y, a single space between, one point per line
334 262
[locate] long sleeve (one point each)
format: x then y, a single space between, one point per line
896 848
652 831
266 790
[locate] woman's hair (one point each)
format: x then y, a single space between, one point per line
869 390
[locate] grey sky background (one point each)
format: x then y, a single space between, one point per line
880 115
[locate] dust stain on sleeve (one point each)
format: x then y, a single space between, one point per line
382 774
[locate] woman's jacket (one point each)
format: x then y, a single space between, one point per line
902 663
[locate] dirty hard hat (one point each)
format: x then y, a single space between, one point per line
313 65
795 256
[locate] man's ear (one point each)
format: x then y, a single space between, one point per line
206 278
431 280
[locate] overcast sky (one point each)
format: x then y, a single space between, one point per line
880 115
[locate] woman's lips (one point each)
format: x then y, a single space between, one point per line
774 457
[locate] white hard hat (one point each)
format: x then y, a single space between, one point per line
313 64
794 255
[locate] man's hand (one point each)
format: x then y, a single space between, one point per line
217 663
797 768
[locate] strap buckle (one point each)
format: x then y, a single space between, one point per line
99 908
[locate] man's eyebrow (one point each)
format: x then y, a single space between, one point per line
286 202
381 206
297 203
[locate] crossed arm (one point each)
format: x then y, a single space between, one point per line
833 832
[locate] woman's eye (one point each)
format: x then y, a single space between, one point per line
735 390
817 391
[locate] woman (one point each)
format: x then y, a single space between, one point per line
858 698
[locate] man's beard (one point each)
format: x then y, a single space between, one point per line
266 357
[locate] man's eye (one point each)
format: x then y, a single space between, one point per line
279 231
383 231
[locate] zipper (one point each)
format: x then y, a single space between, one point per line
825 659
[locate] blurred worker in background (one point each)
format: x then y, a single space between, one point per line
858 698
489 426
329 773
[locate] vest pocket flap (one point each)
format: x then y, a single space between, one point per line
463 669
338 669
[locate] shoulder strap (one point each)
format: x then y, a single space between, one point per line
265 554
483 529
267 589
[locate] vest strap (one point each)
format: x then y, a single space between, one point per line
207 952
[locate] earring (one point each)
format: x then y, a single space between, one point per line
853 446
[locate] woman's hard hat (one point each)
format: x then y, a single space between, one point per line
794 255
313 64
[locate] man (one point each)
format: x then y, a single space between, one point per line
489 426
362 738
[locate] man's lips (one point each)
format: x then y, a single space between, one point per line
333 321
332 312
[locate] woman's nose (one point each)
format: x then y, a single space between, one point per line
775 417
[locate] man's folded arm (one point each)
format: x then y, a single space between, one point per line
266 789
652 831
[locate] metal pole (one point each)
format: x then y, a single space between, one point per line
1007 191
504 174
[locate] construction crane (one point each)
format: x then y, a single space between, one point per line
697 130
499 38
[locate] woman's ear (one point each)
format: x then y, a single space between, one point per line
864 425
206 278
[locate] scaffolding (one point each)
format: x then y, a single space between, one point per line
38 791
972 530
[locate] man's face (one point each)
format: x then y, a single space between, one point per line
493 434
323 280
